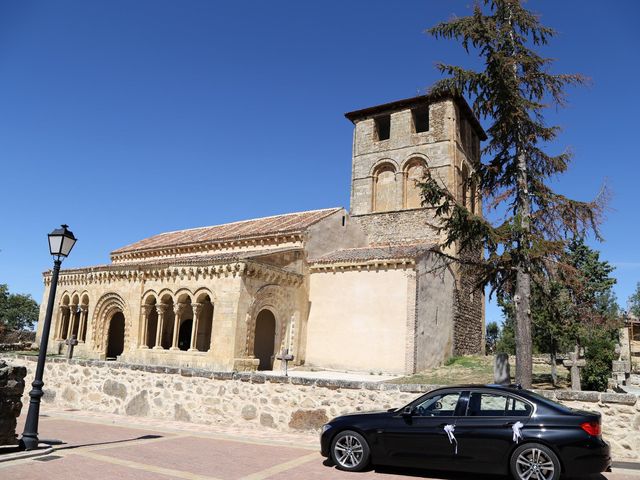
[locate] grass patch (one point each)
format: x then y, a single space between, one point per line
478 369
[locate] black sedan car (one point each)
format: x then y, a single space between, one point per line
488 429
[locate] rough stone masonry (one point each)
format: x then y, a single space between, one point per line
254 400
11 390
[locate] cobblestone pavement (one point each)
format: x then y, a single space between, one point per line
106 447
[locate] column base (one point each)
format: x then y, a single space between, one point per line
193 350
158 347
143 347
174 349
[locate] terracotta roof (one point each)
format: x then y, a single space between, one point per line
183 260
375 252
289 223
414 102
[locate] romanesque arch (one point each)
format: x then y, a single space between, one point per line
384 187
265 339
279 302
106 307
414 171
64 313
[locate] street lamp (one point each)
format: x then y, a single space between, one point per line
61 241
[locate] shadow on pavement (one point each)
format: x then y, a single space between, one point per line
142 437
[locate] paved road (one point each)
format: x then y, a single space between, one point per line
107 447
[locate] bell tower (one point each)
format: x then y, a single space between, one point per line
393 145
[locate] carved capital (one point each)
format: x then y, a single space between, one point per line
197 308
162 308
147 309
84 308
64 308
178 308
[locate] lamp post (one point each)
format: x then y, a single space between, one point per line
61 241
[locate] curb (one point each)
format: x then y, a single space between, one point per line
43 449
626 465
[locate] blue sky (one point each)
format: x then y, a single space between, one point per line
126 119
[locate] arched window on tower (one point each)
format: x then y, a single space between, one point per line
414 173
384 188
463 185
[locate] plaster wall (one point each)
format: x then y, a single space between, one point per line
358 320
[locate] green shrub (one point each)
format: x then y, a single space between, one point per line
599 352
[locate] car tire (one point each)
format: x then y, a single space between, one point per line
350 451
534 461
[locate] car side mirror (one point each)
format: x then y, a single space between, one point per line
407 412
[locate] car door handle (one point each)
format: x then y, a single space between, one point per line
509 424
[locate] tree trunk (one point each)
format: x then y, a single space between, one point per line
554 370
524 361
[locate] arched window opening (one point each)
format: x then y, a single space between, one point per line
415 173
166 325
384 188
204 324
84 318
151 313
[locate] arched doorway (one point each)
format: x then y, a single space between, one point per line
115 339
265 338
184 335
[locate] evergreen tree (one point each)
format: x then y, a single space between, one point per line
634 302
17 312
511 93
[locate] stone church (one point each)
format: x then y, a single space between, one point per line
347 290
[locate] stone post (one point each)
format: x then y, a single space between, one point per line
161 308
11 390
501 369
197 308
177 309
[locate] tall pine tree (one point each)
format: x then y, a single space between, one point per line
511 93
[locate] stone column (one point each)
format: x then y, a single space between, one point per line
146 310
400 179
177 309
72 319
161 309
60 326
82 330
197 308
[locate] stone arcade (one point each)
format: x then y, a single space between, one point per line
340 290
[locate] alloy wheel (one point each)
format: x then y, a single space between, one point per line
534 464
348 451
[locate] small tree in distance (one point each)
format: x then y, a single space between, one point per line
534 223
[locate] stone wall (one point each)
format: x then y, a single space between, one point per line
399 226
11 390
258 401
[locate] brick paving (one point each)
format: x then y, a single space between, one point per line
105 447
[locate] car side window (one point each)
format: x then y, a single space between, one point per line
482 404
443 405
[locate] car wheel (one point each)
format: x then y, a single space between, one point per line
350 451
533 461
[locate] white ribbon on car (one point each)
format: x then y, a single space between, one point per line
449 429
517 434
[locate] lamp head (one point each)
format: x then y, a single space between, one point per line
61 241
